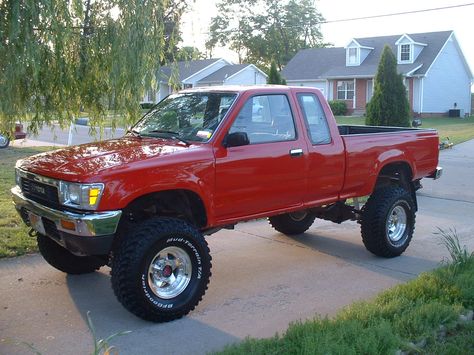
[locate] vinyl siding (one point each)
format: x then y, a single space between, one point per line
318 84
447 82
248 76
206 72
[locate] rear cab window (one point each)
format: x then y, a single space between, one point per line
315 118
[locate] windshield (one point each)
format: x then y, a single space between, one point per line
189 116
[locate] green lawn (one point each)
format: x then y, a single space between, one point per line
14 239
420 317
458 130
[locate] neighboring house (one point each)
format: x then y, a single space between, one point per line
206 72
435 71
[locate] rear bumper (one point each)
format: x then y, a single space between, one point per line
436 174
80 233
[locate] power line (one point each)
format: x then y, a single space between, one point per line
397 13
362 17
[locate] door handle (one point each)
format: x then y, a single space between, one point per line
296 152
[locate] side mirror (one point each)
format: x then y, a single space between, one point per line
236 139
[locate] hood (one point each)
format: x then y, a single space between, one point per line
87 160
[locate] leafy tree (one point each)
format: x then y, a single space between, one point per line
274 76
58 56
263 30
189 53
389 105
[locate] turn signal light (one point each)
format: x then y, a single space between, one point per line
68 225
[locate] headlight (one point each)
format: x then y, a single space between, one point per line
81 196
17 178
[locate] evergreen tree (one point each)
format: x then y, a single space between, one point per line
389 105
274 76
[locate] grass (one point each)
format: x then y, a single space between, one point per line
458 130
14 239
421 316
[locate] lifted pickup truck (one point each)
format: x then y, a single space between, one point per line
206 159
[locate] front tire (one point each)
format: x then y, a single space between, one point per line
160 271
388 222
63 260
292 223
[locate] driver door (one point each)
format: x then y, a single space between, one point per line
268 174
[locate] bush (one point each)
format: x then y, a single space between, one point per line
338 107
146 105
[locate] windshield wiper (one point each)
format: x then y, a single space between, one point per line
134 132
172 135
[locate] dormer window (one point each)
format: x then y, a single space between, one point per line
405 53
408 49
356 53
352 56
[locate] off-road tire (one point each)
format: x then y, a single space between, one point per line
133 259
63 260
375 221
4 141
292 223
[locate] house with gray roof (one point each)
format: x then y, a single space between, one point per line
206 72
435 71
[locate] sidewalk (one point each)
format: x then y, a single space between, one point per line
23 143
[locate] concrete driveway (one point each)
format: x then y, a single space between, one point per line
261 281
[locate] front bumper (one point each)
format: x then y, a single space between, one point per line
80 233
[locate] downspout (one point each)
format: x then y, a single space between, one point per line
355 94
421 94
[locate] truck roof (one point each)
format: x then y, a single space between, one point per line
243 88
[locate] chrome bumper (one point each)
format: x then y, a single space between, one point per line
436 174
85 224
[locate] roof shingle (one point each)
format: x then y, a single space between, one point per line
325 63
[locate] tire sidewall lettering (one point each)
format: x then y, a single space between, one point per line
196 259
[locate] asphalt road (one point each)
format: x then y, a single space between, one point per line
261 281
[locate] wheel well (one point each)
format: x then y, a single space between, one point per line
182 204
398 173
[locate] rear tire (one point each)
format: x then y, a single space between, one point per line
292 223
160 271
388 221
63 260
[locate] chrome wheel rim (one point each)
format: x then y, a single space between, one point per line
298 216
170 272
396 223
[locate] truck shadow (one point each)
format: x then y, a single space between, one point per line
404 267
93 293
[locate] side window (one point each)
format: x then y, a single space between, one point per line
315 118
266 118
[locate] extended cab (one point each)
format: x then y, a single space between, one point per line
206 159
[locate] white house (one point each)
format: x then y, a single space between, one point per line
435 71
206 72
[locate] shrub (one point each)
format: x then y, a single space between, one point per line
338 107
146 105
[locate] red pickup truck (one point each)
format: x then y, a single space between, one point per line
205 159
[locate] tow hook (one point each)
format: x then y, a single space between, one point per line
32 233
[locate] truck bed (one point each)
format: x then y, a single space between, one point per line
368 148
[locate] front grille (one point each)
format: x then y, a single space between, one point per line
39 192
50 228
